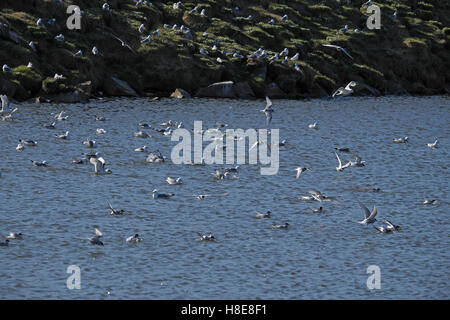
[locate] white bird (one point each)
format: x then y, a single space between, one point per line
171 180
105 6
428 202
433 145
99 165
141 149
300 170
285 60
28 142
297 68
59 37
295 57
268 110
155 157
5 103
206 237
280 226
260 215
272 21
394 15
6 68
113 211
142 134
15 236
40 22
344 29
177 5
94 51
58 76
101 131
401 140
32 46
124 44
141 28
369 217
341 167
339 49
285 52
203 51
20 147
30 65
156 195
284 18
62 136
134 239
95 239
391 226
313 126
78 54
274 58
39 163
90 143
203 13
345 91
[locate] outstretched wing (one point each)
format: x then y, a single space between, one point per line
364 208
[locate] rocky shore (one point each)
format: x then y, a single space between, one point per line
409 54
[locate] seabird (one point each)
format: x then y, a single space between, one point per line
155 157
206 237
62 136
134 239
284 18
59 37
295 57
100 118
90 143
300 170
268 111
318 196
39 163
260 215
28 142
142 134
100 131
428 202
112 211
105 6
99 165
4 243
344 29
369 217
320 210
156 195
60 117
50 126
313 126
124 44
171 180
391 226
15 236
20 147
341 167
147 39
78 54
280 226
94 51
401 140
141 28
141 149
95 239
285 52
433 145
6 68
344 91
339 49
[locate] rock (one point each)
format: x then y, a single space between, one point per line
273 91
7 87
70 97
180 94
227 89
7 34
117 87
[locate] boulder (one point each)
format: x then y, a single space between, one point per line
8 87
242 90
180 94
116 87
75 96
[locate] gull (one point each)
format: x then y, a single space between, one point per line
78 54
203 13
90 143
318 196
295 57
284 18
105 6
369 217
286 60
5 103
155 157
344 91
341 167
62 136
391 226
139 3
143 125
282 143
260 215
28 142
306 198
124 44
433 145
58 76
428 202
60 117
20 147
313 126
40 22
280 226
142 134
285 52
32 46
234 170
95 239
50 126
358 162
147 39
237 55
30 65
218 175
203 51
15 236
94 51
206 237
394 15
344 29
297 68
156 32
100 118
268 111
134 239
357 31
156 195
59 37
384 229
171 180
9 115
320 210
300 170
194 10
39 163
339 49
166 26
99 165
101 131
368 3
274 58
177 5
141 149
7 69
112 211
272 21
401 140
250 17
141 28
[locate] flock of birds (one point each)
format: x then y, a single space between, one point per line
166 128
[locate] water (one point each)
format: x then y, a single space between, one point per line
322 256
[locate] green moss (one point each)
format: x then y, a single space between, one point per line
28 78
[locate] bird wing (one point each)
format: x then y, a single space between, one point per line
346 52
299 172
366 211
338 92
330 45
268 102
339 160
389 223
373 213
268 118
98 233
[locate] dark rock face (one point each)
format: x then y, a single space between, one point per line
227 89
117 87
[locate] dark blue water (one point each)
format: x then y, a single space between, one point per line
321 256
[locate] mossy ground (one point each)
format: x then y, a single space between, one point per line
411 51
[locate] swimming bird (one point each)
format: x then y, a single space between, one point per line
428 202
50 126
369 217
401 140
233 170
347 150
15 236
141 149
339 49
28 142
100 131
99 165
90 143
280 226
112 211
318 196
156 195
171 180
341 167
134 239
39 163
313 126
60 117
433 145
268 110
155 157
20 147
383 229
142 134
344 91
358 162
206 237
144 125
4 243
391 226
260 215
95 239
300 170
62 136
320 210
